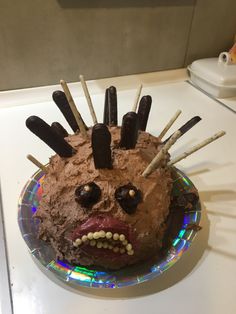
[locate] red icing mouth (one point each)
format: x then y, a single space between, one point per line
105 236
97 223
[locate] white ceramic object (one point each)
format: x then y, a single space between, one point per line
216 76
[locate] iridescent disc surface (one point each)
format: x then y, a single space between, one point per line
178 241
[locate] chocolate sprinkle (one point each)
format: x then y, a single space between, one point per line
41 129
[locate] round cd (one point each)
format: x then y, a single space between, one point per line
183 225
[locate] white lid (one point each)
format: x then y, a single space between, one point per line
215 71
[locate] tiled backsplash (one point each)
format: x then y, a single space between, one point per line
43 41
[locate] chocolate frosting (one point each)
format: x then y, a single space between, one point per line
62 219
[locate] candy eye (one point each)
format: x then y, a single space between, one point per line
128 196
88 194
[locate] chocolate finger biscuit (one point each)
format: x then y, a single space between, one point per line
41 129
101 141
58 128
129 130
143 111
60 100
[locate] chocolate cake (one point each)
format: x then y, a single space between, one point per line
107 193
105 217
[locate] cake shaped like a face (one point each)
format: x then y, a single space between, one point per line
106 193
105 217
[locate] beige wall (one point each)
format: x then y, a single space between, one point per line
44 41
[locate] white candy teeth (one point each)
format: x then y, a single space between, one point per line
128 247
105 245
92 243
122 237
90 235
102 234
93 236
116 236
84 238
108 235
96 235
99 245
131 252
125 242
99 234
77 242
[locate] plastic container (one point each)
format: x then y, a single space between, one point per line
216 76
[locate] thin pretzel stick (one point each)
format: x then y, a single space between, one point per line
169 124
156 160
37 163
137 98
73 108
88 98
196 147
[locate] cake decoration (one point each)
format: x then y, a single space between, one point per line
88 98
106 109
36 163
59 129
101 141
40 128
143 111
107 202
73 108
196 148
169 124
60 100
136 101
128 196
186 127
154 164
129 130
110 106
88 194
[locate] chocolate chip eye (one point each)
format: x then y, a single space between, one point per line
87 194
128 196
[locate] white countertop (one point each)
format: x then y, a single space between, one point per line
203 280
229 102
